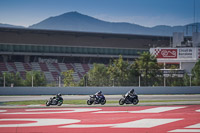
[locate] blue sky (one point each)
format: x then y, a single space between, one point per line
143 12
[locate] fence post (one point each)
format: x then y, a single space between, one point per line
164 82
139 80
32 80
190 79
59 81
4 81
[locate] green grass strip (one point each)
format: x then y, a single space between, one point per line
81 102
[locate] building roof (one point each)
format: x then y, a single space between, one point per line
82 39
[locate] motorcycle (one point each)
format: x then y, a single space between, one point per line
94 100
129 100
54 101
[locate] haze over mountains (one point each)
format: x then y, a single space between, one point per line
74 21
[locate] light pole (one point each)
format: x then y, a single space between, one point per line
32 80
4 80
139 80
190 79
59 81
85 81
113 82
164 82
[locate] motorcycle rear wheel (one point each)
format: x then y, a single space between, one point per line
121 101
47 103
89 102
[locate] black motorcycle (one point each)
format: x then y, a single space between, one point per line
54 101
94 100
129 99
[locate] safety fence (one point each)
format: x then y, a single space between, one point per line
92 90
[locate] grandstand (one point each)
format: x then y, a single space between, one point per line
54 51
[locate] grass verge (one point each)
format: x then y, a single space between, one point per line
81 102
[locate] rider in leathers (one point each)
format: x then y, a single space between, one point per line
130 95
99 95
59 97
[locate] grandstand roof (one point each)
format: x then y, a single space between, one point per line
80 39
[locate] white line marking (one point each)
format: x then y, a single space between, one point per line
72 109
189 130
151 110
186 130
198 110
56 110
194 126
39 122
107 112
87 126
3 110
143 123
34 105
157 110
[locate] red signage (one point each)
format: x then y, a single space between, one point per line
165 53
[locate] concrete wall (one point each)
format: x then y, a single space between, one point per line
92 90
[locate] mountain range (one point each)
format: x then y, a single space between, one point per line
74 21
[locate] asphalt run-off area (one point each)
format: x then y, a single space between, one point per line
134 119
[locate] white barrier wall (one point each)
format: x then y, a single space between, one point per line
92 90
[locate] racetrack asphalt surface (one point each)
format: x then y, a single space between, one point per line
186 99
149 117
108 97
133 119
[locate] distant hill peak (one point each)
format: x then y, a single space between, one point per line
75 21
72 13
10 26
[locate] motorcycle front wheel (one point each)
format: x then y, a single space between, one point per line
121 101
103 101
135 101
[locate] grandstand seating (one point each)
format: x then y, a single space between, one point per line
11 67
19 66
69 66
27 66
62 67
86 67
3 67
44 67
35 66
51 70
49 76
55 75
56 66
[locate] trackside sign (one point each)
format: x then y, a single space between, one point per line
175 53
186 53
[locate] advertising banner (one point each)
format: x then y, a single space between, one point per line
165 53
175 53
186 53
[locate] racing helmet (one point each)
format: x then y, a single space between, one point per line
132 90
59 94
99 92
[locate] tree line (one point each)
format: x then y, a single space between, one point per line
35 78
144 71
